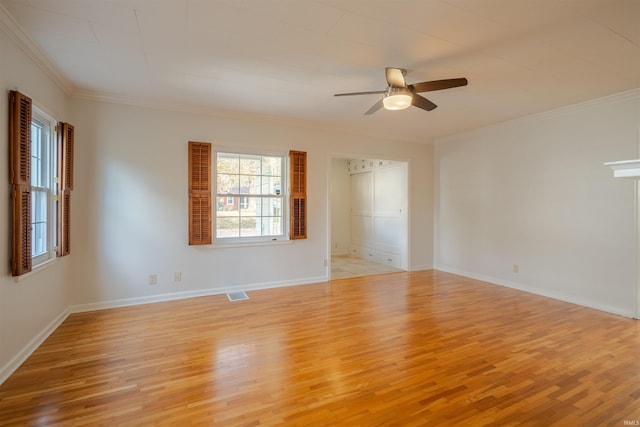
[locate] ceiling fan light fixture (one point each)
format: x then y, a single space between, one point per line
397 98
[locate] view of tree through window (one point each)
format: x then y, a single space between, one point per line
249 196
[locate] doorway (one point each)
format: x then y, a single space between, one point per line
368 211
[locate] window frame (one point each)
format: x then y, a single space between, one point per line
49 173
282 194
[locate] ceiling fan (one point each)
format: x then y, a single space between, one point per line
398 95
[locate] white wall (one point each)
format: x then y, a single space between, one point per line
131 175
340 207
534 193
36 303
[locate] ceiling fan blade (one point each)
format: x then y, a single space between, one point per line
422 102
438 85
395 77
375 107
359 93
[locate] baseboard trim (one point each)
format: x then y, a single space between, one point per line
421 267
7 370
554 295
103 305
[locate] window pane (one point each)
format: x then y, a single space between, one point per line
228 163
36 155
268 206
39 239
227 226
271 185
220 204
38 206
228 184
271 226
249 227
38 223
247 206
227 206
272 166
250 165
249 184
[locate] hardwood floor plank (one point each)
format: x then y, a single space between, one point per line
410 349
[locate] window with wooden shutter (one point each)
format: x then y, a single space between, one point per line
298 204
200 193
65 177
20 179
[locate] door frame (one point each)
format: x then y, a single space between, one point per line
405 249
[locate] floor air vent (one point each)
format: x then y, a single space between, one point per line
237 296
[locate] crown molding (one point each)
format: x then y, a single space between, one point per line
625 168
96 96
181 107
9 25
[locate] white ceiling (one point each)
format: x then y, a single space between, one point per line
284 59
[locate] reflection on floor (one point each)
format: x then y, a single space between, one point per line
348 266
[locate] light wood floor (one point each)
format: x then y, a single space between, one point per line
402 349
343 266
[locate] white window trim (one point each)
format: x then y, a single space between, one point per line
50 255
251 240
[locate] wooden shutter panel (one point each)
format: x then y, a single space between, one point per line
20 139
65 153
20 179
21 231
66 138
64 223
200 193
298 205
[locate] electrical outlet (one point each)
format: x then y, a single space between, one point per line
516 268
177 276
153 279
326 262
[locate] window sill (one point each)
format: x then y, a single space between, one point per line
246 244
35 270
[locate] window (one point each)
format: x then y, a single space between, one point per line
43 167
41 178
249 202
